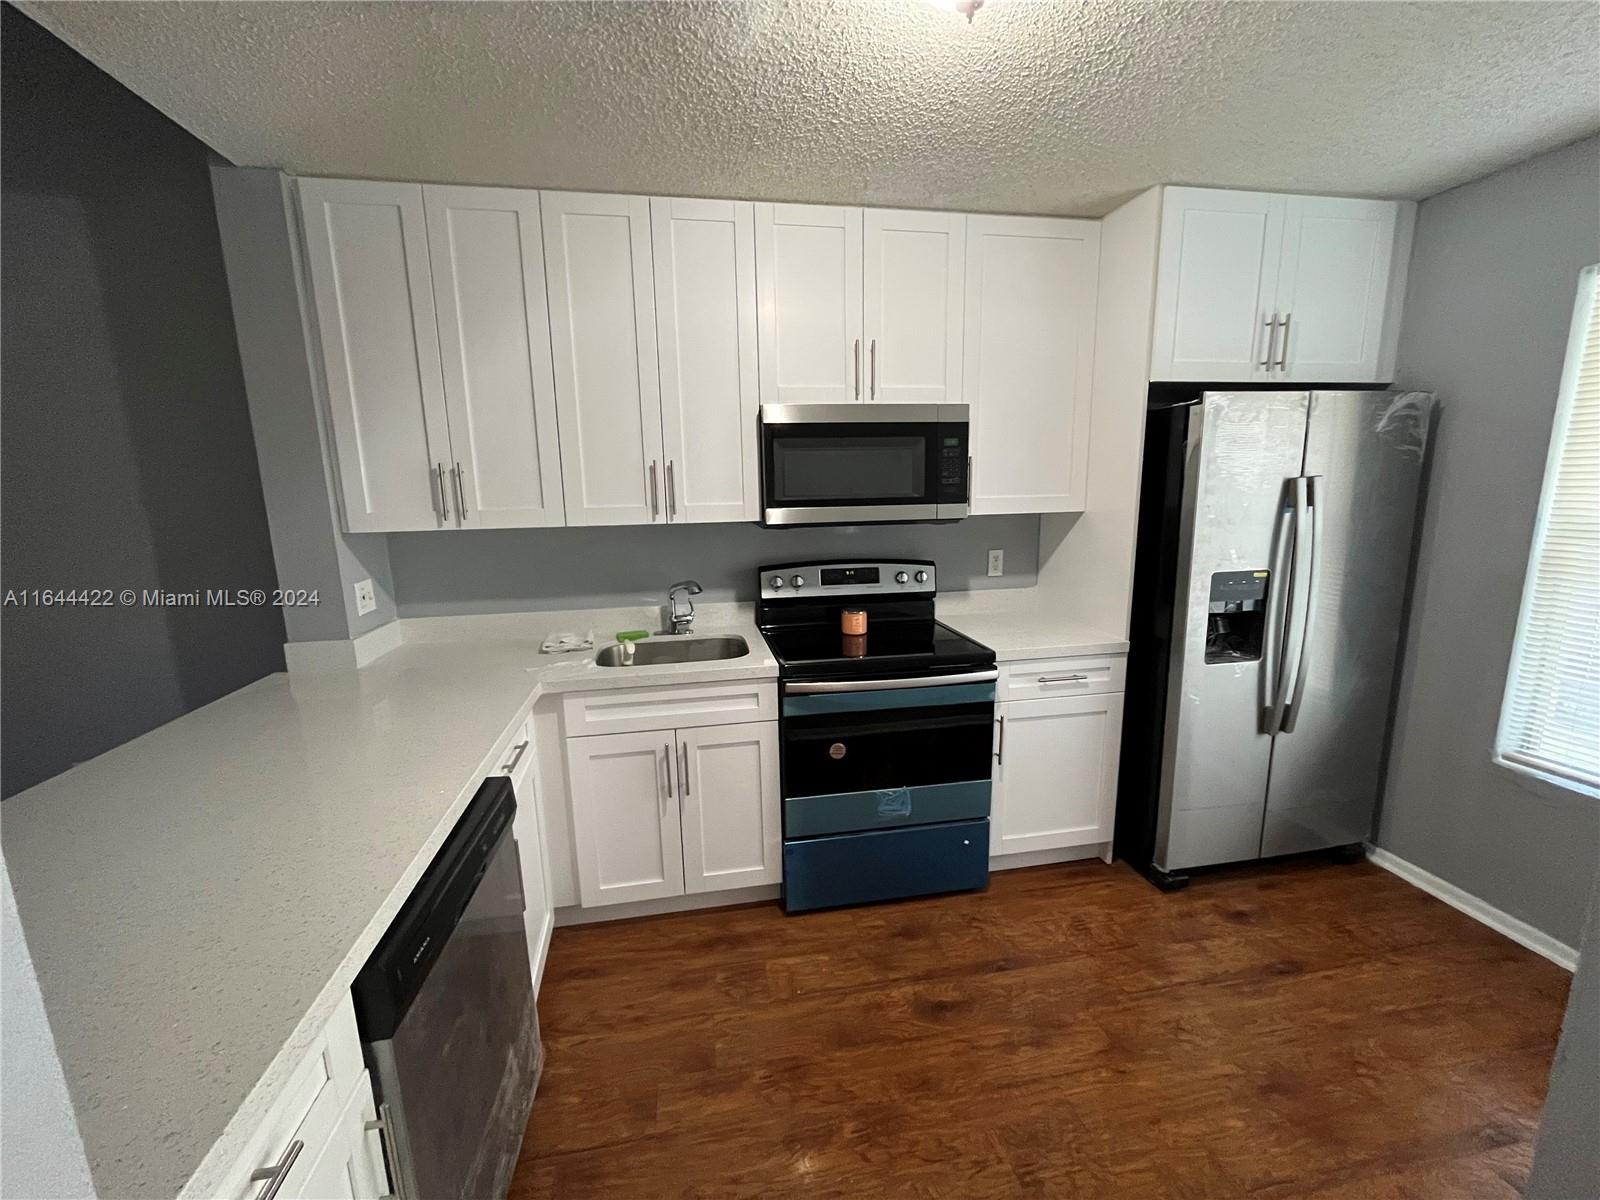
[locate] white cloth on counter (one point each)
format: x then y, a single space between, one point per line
565 643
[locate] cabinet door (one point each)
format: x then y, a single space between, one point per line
1030 313
913 275
603 343
1216 278
1333 288
487 252
808 279
705 276
349 1165
1055 780
625 817
732 835
533 850
367 255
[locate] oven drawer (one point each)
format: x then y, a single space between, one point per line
845 812
885 864
1039 679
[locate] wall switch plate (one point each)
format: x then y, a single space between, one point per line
997 562
365 600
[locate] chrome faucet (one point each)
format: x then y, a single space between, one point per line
682 622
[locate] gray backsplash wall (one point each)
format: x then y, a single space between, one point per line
516 570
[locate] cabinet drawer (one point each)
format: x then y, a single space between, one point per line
306 1112
1039 679
682 707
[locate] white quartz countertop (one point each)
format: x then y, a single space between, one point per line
1019 624
198 901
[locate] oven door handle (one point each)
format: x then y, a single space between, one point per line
884 685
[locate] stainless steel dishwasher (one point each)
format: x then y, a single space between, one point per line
447 1017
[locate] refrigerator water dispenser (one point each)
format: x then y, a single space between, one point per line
1236 616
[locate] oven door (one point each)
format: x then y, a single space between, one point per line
858 463
860 755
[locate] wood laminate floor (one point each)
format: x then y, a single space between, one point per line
1304 1029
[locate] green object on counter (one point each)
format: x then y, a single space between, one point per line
633 635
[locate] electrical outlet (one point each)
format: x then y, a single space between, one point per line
365 600
997 562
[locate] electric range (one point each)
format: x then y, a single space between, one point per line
887 735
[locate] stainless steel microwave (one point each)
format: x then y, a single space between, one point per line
857 464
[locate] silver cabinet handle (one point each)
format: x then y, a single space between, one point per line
517 752
666 753
1000 748
460 478
872 378
1283 351
391 1160
683 779
442 504
272 1177
858 368
655 496
1062 678
672 492
1272 340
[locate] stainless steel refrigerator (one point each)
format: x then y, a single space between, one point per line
1275 550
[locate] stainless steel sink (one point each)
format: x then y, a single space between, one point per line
669 649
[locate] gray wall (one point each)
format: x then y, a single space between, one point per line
259 239
1566 1161
1493 280
517 570
127 460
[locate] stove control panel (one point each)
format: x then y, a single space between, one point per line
830 580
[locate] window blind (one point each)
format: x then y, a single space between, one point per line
1550 719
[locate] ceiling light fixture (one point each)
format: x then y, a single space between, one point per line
966 7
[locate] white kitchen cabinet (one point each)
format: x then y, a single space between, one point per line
705 284
625 816
913 267
603 345
1055 778
1252 286
1031 284
808 282
533 851
367 256
732 825
487 254
349 1165
668 812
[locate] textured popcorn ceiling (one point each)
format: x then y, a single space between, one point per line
1034 107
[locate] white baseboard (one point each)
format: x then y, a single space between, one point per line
1518 931
343 654
1043 858
577 915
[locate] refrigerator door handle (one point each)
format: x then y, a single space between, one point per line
1314 490
1278 584
1293 635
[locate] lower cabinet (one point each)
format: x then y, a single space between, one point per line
670 812
1055 778
350 1165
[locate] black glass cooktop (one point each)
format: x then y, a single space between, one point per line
888 647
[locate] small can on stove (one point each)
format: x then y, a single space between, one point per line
853 621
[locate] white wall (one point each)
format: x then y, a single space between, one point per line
1493 278
41 1154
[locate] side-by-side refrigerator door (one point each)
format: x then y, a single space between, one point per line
1244 449
1363 466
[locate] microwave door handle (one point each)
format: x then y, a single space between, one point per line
1314 558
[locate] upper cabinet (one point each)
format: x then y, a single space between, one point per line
914 265
367 254
494 335
859 304
1031 286
1252 286
430 305
603 342
808 284
705 283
